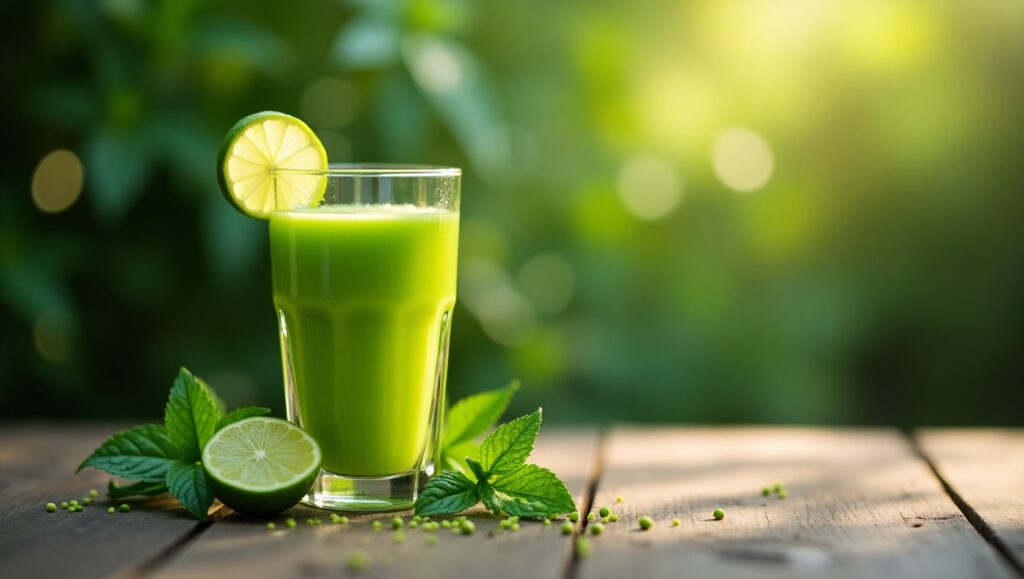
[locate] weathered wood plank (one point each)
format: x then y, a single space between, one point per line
241 547
861 504
985 470
37 465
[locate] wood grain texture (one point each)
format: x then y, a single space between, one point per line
861 504
241 547
985 470
37 465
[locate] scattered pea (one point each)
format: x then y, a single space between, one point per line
514 527
604 511
646 523
567 528
413 524
446 524
783 494
582 547
613 518
64 505
766 491
574 516
376 526
605 520
310 522
591 516
73 503
86 501
596 529
290 522
358 561
719 514
399 536
93 493
504 524
618 499
51 507
125 508
271 526
675 522
111 510
547 522
396 523
777 487
467 527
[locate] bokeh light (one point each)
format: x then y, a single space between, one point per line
548 281
649 186
330 103
57 181
742 159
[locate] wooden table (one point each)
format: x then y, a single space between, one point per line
862 503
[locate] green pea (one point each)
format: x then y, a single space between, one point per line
73 503
413 524
675 522
290 522
271 526
86 501
591 516
547 522
93 493
604 511
582 547
358 561
344 520
399 537
111 510
613 518
310 522
605 520
467 527
567 528
514 527
64 505
396 523
777 487
596 529
618 499
766 491
719 514
51 507
646 523
783 494
446 524
125 508
504 524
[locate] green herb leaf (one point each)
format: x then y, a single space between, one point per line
187 482
508 447
447 493
139 453
476 469
490 498
116 491
240 413
476 414
531 491
191 415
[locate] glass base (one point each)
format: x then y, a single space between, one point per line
349 493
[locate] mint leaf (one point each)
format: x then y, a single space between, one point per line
191 415
508 447
476 469
116 491
454 457
490 498
187 482
140 453
531 491
474 415
447 493
240 413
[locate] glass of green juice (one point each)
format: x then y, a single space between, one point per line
364 287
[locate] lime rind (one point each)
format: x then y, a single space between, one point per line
271 161
261 455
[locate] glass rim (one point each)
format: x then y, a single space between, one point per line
379 170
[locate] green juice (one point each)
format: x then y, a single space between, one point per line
364 296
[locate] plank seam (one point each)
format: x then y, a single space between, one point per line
983 529
589 494
156 561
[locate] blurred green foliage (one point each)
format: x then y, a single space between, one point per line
852 250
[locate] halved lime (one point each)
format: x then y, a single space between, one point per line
269 162
261 465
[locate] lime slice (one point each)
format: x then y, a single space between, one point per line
268 162
261 465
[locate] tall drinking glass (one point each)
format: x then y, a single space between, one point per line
364 286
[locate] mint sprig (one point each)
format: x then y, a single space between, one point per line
470 418
167 457
504 481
